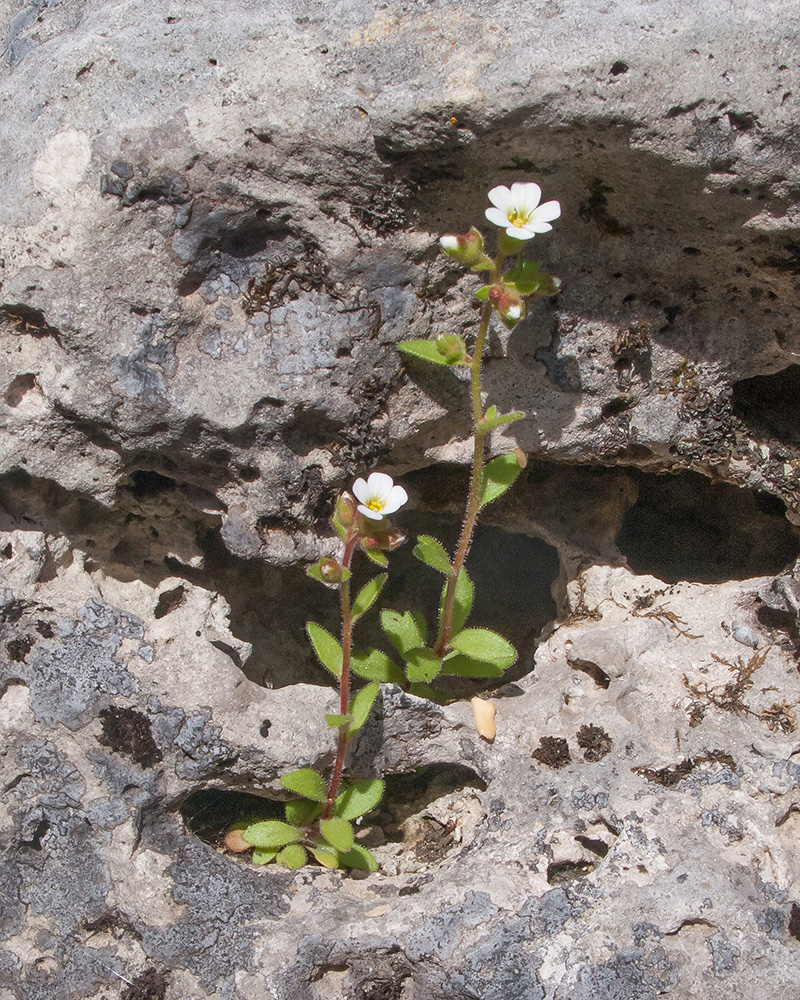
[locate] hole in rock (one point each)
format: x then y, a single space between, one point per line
685 527
406 815
560 872
22 384
770 405
169 600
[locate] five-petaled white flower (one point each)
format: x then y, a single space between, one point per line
378 496
518 210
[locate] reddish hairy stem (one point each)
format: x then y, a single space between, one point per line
344 679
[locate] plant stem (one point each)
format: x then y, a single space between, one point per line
474 497
344 679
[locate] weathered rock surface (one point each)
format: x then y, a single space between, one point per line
216 221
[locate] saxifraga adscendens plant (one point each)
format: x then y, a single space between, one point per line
319 822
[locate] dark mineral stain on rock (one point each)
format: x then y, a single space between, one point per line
552 751
794 922
18 649
128 732
595 743
150 985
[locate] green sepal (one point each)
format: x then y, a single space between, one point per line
378 557
337 832
263 856
431 551
431 693
375 665
509 247
483 293
328 859
424 349
302 812
422 665
485 645
462 603
294 856
271 833
328 649
525 277
307 783
492 419
360 858
360 705
337 721
406 630
368 594
315 574
498 476
359 798
464 666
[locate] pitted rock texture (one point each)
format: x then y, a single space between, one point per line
217 220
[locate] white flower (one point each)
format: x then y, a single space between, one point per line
378 496
518 210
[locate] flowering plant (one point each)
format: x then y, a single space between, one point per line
319 822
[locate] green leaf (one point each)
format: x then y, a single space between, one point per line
326 647
293 856
431 551
405 630
498 475
271 833
376 556
482 644
490 422
328 859
422 664
424 349
307 783
462 603
463 666
526 277
359 798
483 293
368 594
335 721
432 694
360 706
262 856
375 665
302 812
359 857
337 832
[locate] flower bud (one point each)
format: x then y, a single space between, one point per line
466 248
345 510
509 304
451 348
330 570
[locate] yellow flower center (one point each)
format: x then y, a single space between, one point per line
517 218
375 505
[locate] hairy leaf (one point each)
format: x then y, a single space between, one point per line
302 812
483 644
328 859
431 551
368 594
405 630
307 783
271 833
360 858
424 349
337 832
293 856
263 856
463 666
422 664
375 665
498 475
326 647
359 798
360 706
